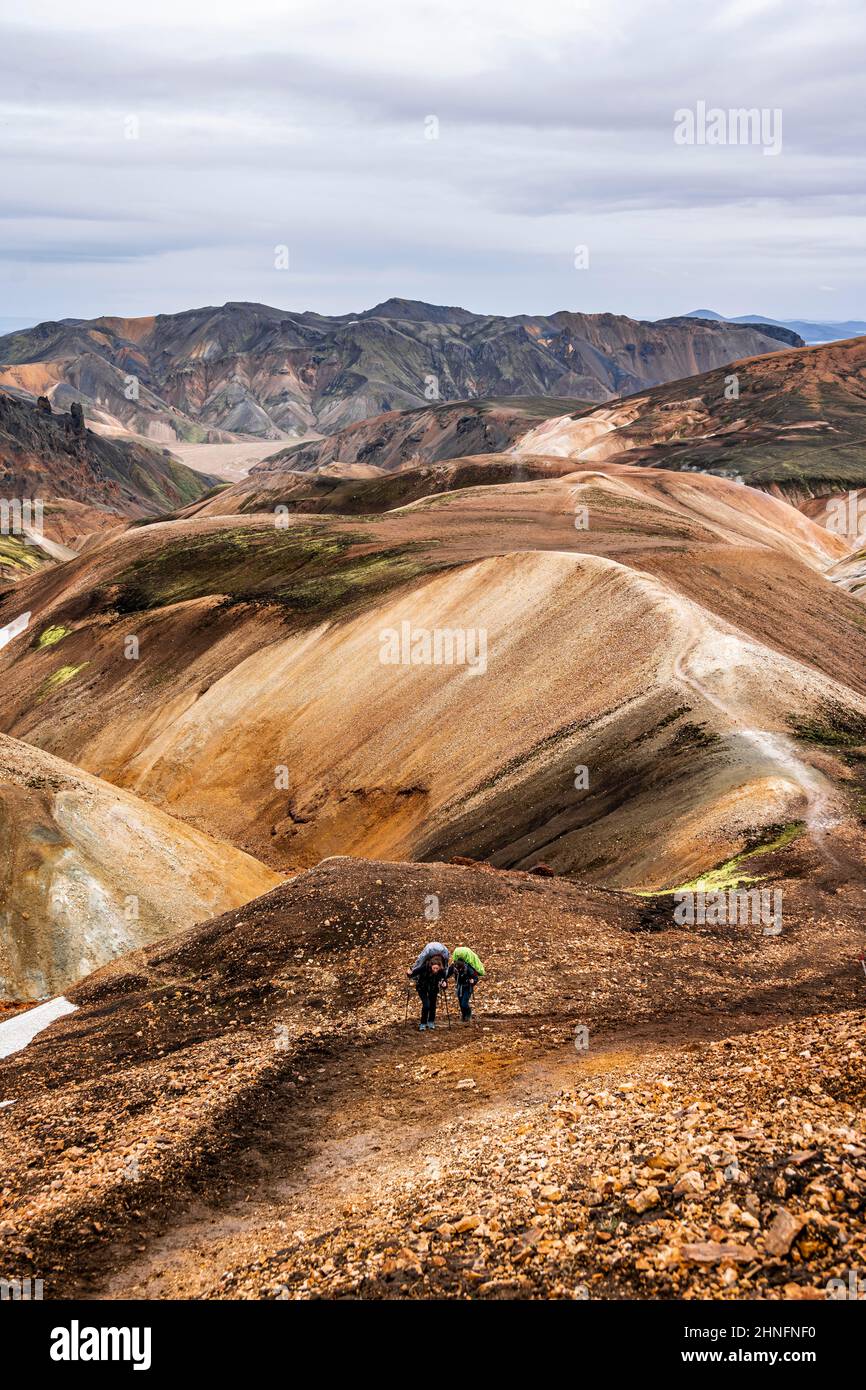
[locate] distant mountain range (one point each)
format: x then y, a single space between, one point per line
795 426
811 332
250 370
400 438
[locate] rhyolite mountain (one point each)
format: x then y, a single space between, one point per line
271 373
792 423
429 434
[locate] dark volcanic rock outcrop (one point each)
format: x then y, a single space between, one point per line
56 458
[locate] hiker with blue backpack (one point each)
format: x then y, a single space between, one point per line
429 974
467 970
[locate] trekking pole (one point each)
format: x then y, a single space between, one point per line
447 1006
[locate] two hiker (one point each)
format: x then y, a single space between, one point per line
430 973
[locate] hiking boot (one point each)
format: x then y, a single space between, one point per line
421 1027
431 1027
467 1018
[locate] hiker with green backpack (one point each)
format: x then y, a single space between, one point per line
467 970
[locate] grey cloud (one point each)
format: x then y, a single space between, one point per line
548 136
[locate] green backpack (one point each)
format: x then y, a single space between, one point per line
469 958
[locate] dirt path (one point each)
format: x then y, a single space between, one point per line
384 1121
380 1119
825 808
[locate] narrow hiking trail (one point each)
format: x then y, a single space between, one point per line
825 807
383 1118
385 1122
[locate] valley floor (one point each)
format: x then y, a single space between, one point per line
229 461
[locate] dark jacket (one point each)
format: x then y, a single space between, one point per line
460 970
425 981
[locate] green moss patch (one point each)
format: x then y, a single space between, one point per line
695 736
52 635
832 726
62 676
16 554
307 570
730 874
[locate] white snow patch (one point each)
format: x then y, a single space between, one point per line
14 629
17 1032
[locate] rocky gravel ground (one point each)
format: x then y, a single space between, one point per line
245 1111
731 1169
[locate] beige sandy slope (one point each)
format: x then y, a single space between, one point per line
592 438
599 643
681 721
88 872
733 511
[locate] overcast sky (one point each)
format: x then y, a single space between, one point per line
284 123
